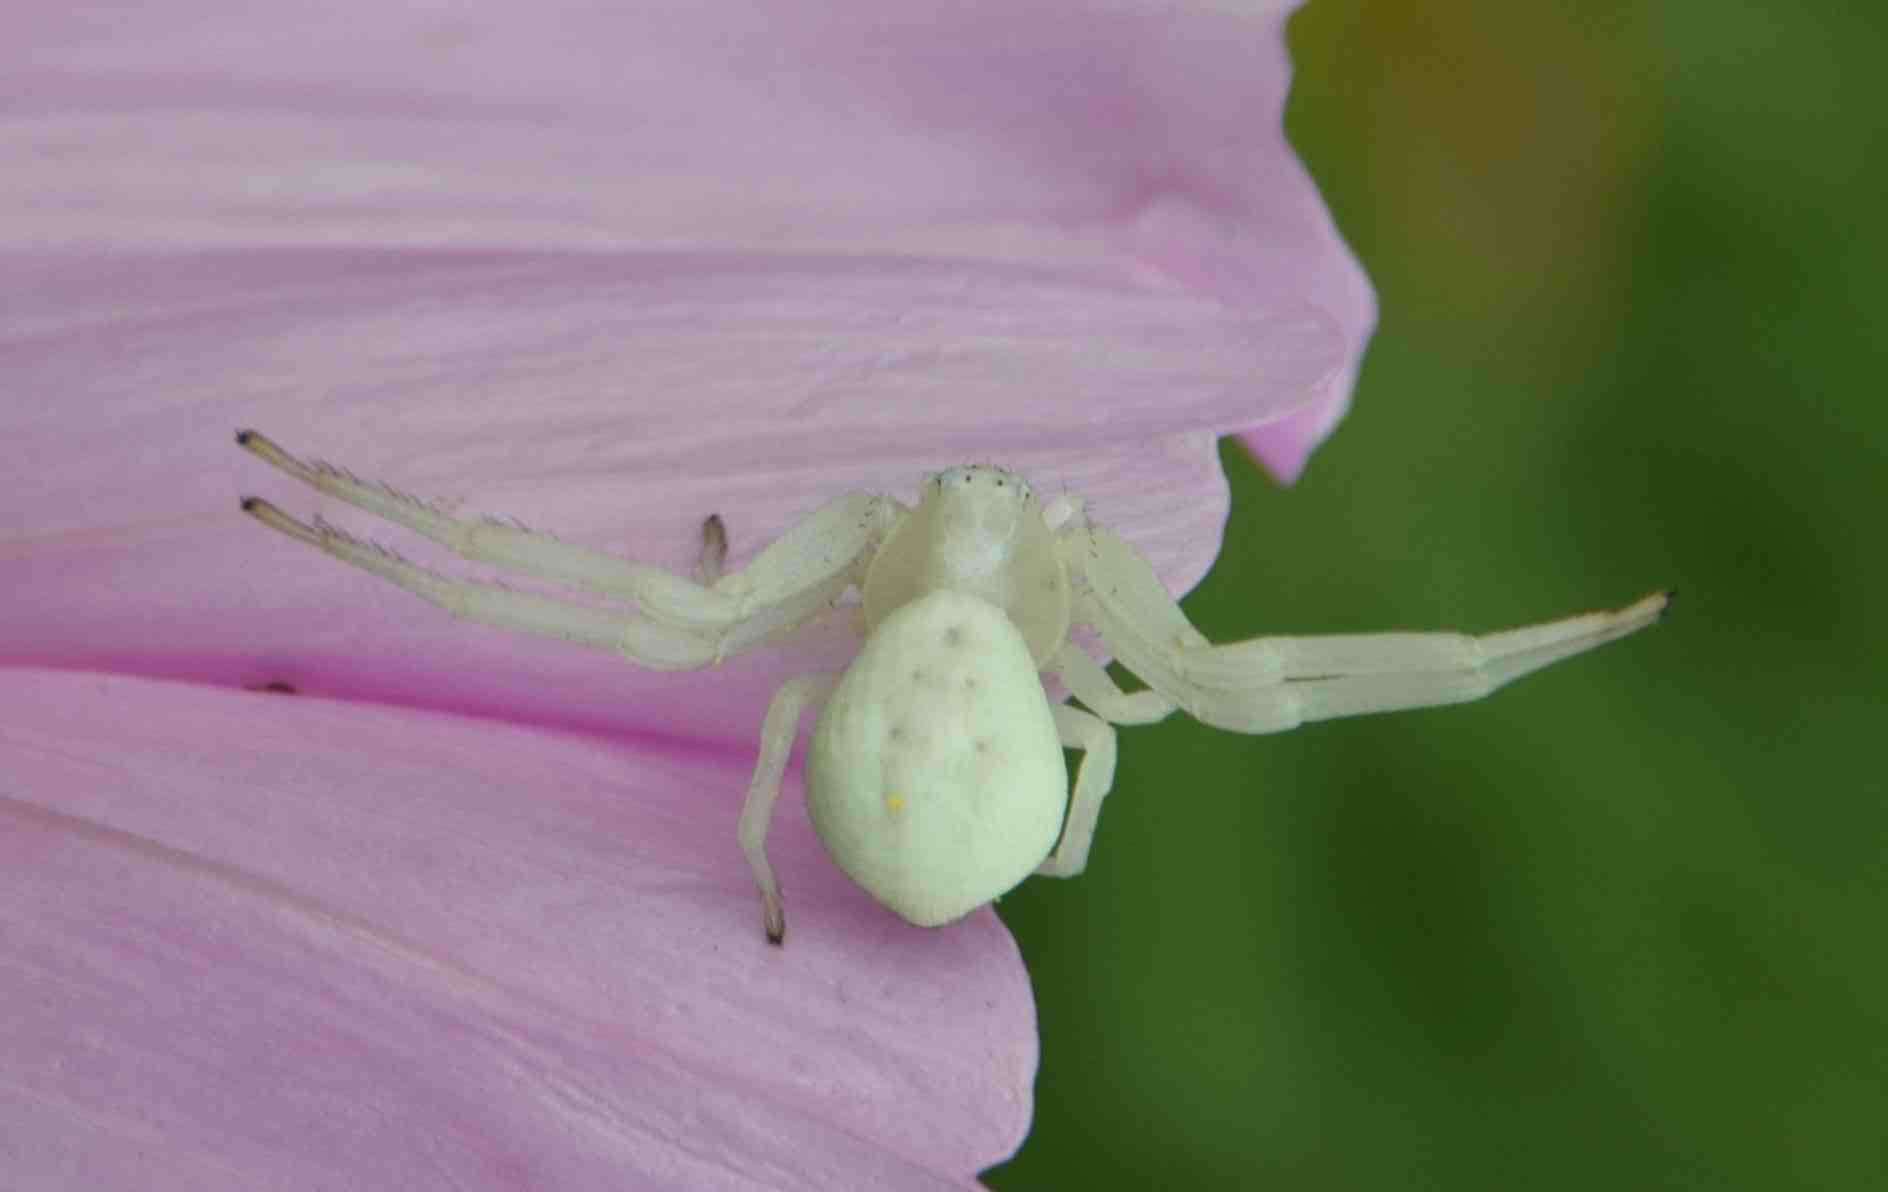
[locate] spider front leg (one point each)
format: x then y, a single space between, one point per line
677 625
648 643
1271 684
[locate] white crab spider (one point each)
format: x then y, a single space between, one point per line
935 775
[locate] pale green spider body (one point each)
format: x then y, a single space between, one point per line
935 776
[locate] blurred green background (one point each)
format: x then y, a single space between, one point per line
1623 924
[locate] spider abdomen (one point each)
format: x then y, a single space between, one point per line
935 776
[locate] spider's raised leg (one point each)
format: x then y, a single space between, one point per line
777 732
648 643
677 624
1270 684
791 579
1094 778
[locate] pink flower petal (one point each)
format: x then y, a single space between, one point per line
259 941
606 269
1139 142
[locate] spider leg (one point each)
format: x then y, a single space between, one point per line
1094 778
777 734
1088 681
806 567
713 562
1276 683
1271 684
649 643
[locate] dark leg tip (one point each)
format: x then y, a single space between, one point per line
714 550
243 437
250 503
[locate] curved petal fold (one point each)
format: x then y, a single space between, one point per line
262 941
